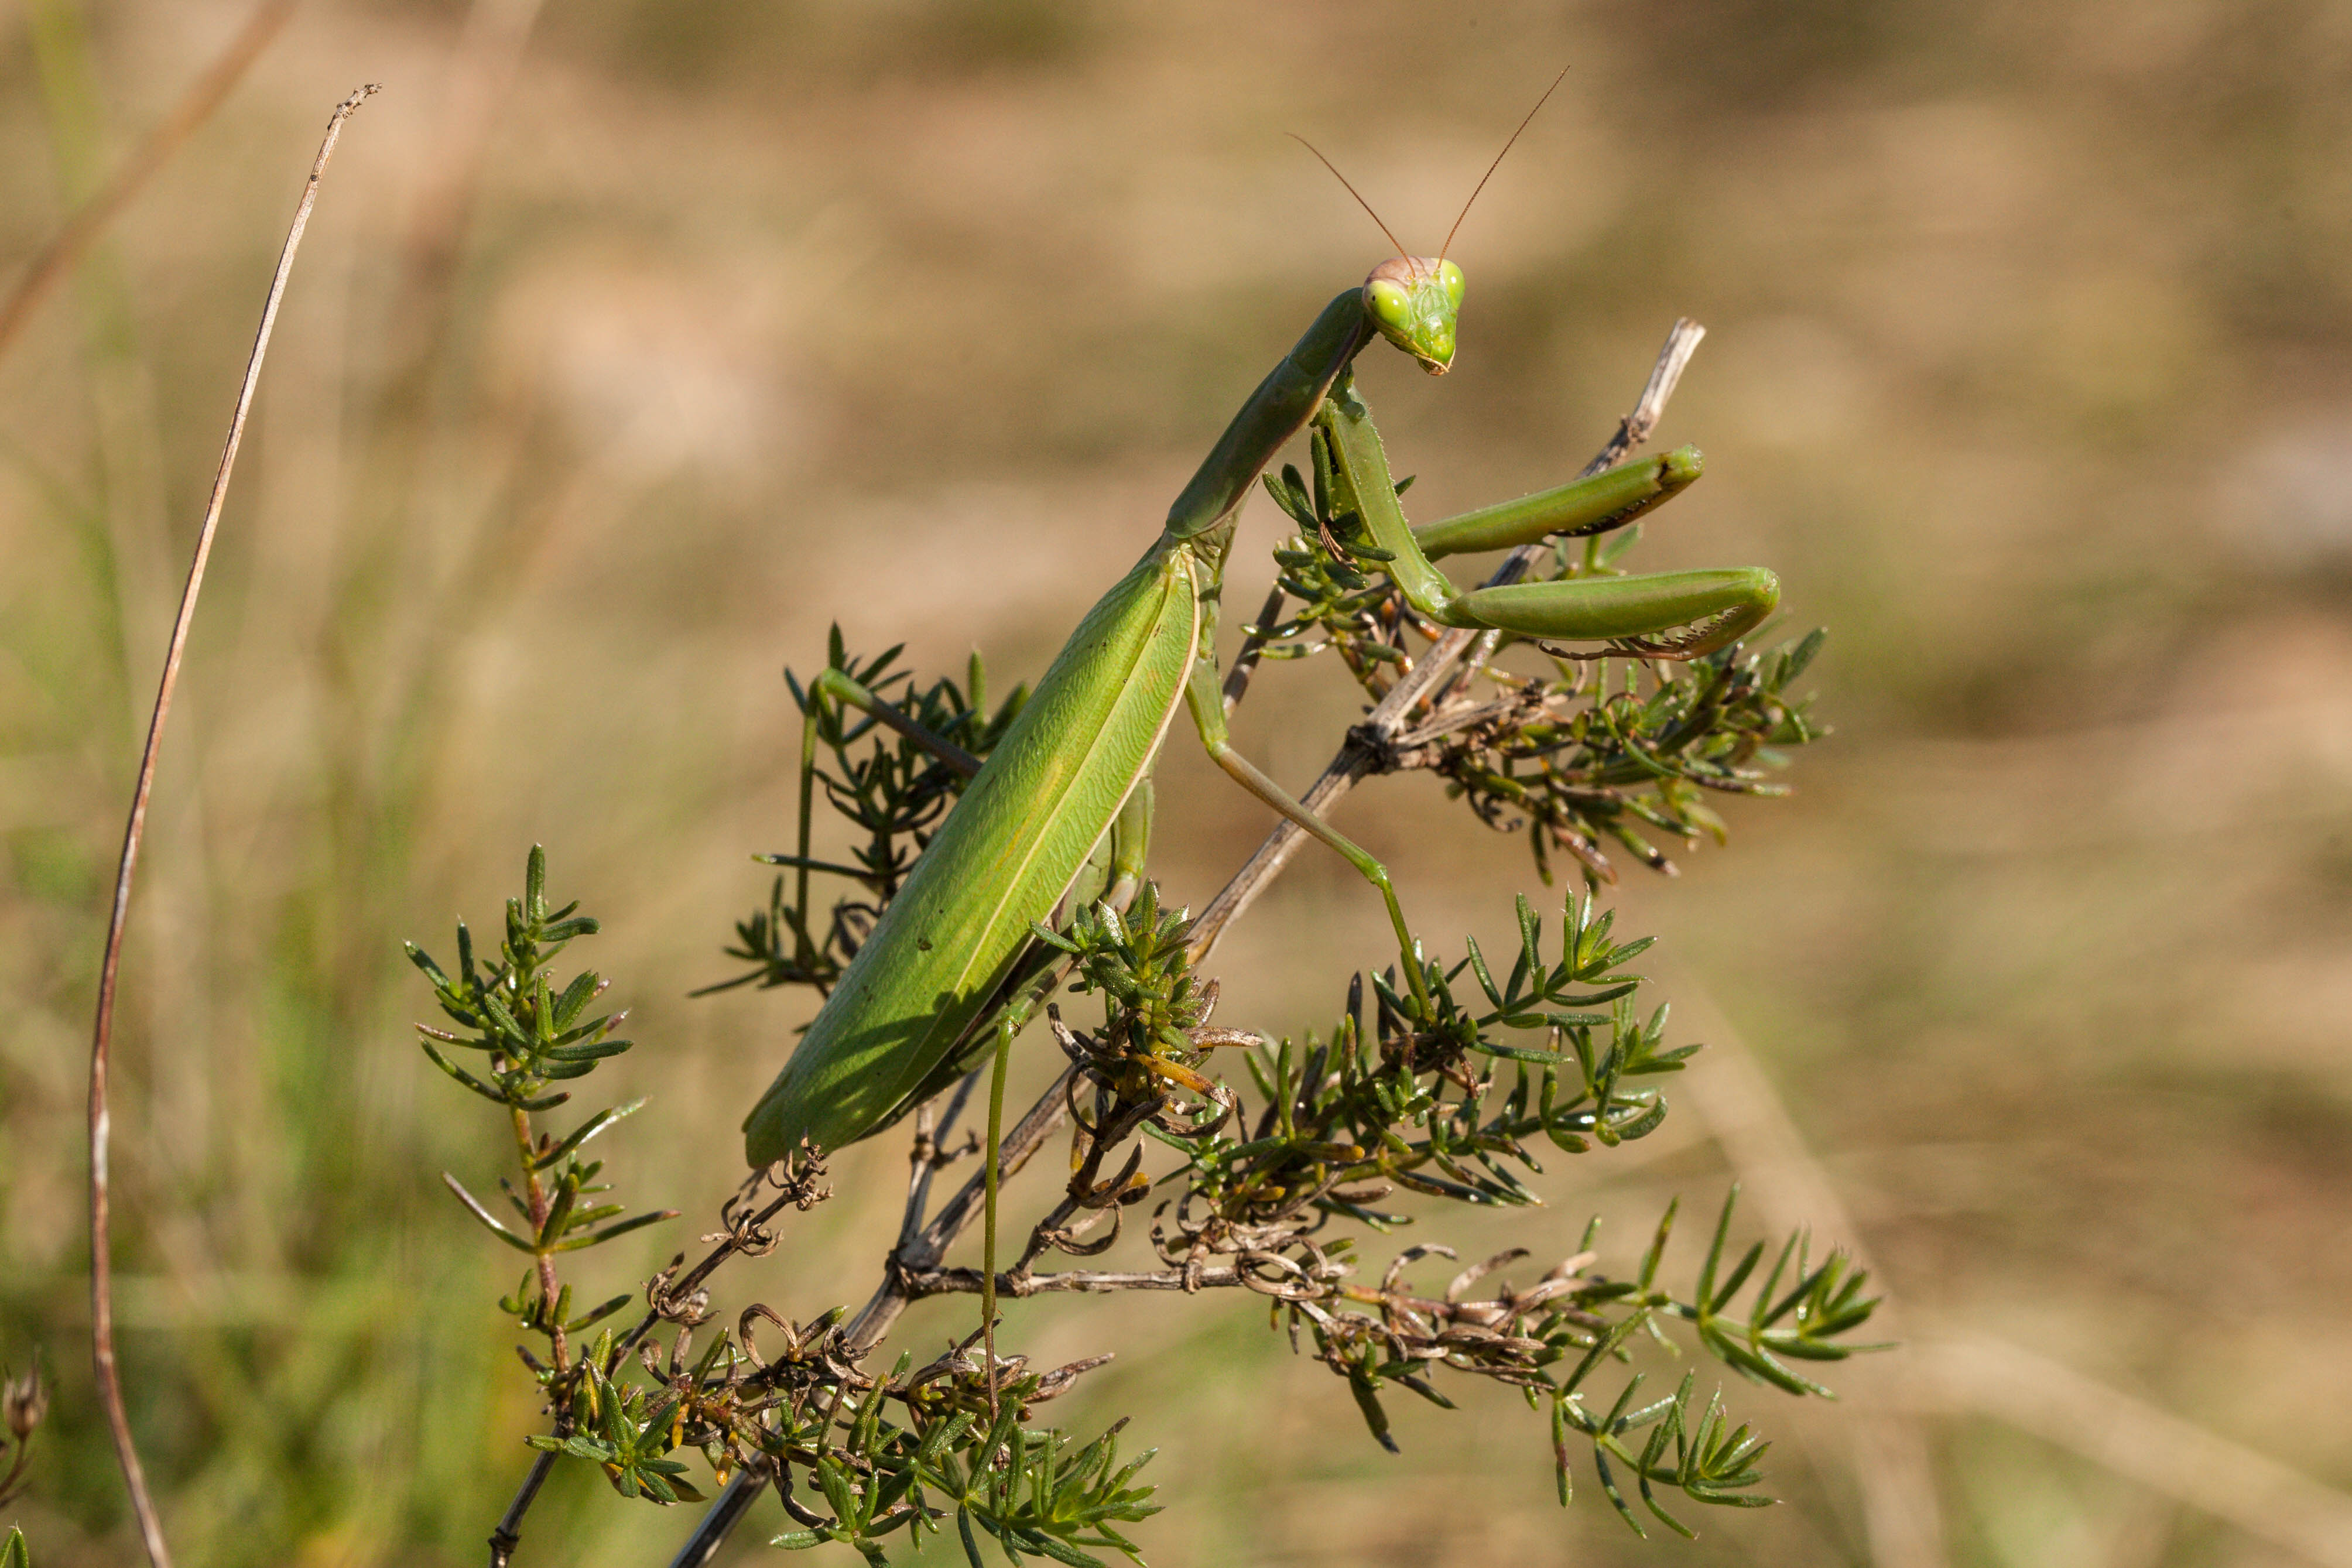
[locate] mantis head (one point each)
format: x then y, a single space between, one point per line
1413 301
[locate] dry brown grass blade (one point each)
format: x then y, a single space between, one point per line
102 1265
2267 1500
479 81
51 264
1989 1377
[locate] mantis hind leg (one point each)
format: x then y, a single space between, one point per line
842 688
1205 698
1113 873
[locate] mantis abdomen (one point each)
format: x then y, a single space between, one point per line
1002 860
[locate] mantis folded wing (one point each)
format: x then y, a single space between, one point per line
1074 759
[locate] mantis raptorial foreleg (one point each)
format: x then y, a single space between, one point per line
1606 500
1674 614
1725 604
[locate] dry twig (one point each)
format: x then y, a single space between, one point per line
910 1261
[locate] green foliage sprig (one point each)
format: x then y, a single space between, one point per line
903 1452
885 1455
892 793
532 1035
1414 1104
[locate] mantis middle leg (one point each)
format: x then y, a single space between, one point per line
1204 695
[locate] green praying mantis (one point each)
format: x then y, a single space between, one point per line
1067 785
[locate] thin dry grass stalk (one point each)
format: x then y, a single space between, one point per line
2271 1501
102 1265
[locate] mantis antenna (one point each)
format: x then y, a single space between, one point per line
1491 167
1481 185
1327 162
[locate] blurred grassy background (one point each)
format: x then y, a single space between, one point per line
635 342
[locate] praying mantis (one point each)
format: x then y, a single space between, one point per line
1067 785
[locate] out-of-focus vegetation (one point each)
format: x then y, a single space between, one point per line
601 390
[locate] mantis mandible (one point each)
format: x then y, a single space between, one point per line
1078 759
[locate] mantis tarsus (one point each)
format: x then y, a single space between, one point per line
901 1021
